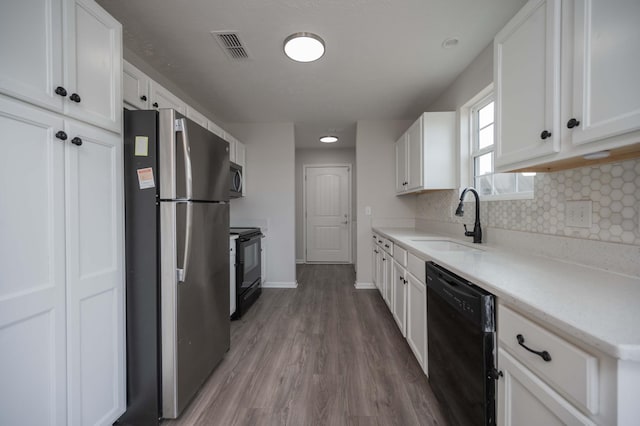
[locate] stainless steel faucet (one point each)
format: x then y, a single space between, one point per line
477 229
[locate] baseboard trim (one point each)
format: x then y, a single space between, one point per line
299 261
280 284
364 286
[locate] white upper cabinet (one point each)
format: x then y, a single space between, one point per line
162 98
426 154
93 65
527 81
566 77
31 51
135 87
401 163
215 129
68 59
414 155
606 68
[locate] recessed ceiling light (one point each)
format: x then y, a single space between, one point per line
328 139
597 155
450 42
304 47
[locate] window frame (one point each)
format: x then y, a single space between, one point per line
469 113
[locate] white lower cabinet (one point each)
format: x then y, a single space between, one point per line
399 311
525 400
387 269
61 271
417 320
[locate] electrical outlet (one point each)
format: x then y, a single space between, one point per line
367 210
578 213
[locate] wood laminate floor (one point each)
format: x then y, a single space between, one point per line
321 354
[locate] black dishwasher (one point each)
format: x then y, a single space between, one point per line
461 339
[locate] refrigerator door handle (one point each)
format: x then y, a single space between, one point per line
181 126
182 273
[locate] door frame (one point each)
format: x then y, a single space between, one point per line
349 167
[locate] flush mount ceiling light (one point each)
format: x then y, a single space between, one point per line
304 47
329 139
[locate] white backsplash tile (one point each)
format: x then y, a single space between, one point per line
614 190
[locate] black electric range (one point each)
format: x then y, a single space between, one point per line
248 268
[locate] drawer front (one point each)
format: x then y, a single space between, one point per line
400 255
387 245
570 369
417 267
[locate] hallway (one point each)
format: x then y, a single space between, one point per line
322 354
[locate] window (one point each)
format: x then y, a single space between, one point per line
492 185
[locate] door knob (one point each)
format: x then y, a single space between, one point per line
143 98
75 97
155 105
61 91
76 141
61 135
572 123
545 134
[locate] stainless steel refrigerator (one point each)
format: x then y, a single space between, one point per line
177 254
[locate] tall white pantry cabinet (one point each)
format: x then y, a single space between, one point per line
61 214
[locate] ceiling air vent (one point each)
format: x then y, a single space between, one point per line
231 44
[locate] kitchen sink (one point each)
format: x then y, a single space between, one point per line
442 245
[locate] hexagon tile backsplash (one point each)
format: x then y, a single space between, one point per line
614 190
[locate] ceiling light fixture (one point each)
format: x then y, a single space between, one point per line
329 139
597 155
304 47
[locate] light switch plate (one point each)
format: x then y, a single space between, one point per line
578 213
367 210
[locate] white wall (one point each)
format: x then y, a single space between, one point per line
322 156
477 76
375 160
270 200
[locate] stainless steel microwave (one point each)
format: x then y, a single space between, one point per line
235 170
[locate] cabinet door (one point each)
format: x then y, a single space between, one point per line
242 160
414 156
417 320
162 98
194 115
31 51
93 65
387 265
401 164
32 267
525 400
527 78
379 270
95 276
374 265
135 87
606 93
400 296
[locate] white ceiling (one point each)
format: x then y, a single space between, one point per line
383 60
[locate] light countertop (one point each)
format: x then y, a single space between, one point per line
598 307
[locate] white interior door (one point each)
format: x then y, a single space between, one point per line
328 212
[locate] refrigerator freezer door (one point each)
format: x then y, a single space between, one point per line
194 163
195 312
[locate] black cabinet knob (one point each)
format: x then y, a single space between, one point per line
143 98
61 135
545 134
76 141
61 91
155 105
75 97
572 123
